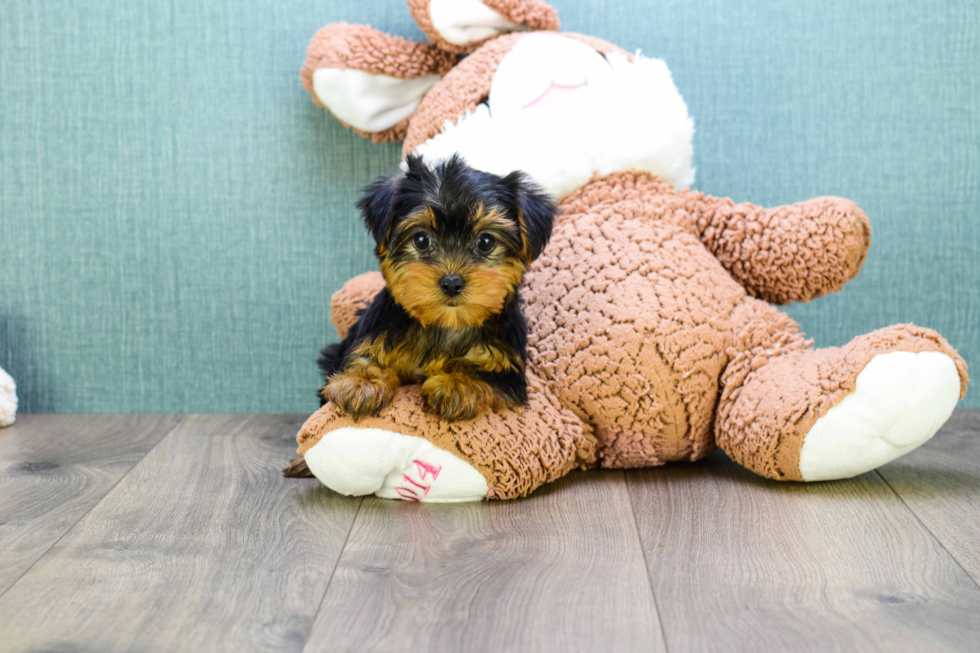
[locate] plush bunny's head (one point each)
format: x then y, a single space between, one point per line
562 107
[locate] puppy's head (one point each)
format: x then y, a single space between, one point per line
454 242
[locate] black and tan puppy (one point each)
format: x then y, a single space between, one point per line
453 244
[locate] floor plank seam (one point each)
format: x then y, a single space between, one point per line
646 563
976 583
180 420
332 573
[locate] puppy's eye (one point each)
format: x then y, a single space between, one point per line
485 243
421 241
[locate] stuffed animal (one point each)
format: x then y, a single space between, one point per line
652 337
8 399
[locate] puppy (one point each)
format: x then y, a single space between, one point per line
453 244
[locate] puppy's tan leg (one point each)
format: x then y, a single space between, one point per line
456 395
454 391
363 388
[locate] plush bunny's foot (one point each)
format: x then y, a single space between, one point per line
406 453
358 461
789 412
899 401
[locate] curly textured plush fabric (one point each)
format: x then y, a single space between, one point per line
776 387
516 451
630 312
361 47
532 14
788 254
643 347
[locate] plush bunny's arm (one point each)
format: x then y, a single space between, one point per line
792 253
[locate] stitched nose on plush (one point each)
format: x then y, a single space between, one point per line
452 285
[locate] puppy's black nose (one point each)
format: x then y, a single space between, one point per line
452 284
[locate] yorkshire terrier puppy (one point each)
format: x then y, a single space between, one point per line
454 244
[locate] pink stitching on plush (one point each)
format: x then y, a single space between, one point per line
554 94
418 485
426 468
412 497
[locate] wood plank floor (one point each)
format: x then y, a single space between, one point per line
177 533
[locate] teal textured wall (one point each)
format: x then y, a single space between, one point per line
175 212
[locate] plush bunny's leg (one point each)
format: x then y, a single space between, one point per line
404 453
790 412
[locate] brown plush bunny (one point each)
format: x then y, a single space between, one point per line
651 338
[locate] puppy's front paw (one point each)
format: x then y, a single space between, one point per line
360 392
455 396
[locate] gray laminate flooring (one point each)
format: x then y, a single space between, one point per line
178 533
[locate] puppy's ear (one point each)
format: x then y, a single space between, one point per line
416 169
536 212
377 207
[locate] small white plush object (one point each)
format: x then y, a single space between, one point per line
8 399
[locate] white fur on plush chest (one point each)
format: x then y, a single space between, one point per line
563 113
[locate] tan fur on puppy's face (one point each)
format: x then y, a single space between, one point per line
415 286
490 278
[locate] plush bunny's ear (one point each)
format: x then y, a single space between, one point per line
461 25
369 80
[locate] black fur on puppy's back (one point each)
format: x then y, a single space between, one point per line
331 359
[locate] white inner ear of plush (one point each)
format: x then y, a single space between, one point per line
563 113
369 102
464 21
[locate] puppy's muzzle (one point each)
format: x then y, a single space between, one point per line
451 285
